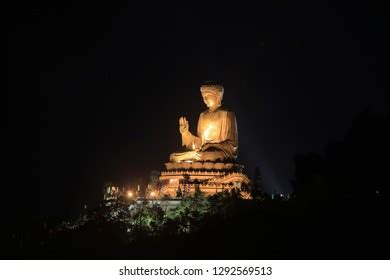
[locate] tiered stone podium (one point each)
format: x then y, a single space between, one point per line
182 178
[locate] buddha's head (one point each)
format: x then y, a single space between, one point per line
212 95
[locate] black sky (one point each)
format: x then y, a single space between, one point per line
96 90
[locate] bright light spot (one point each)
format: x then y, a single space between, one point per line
209 131
152 194
129 194
174 181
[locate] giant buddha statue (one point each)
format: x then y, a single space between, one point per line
216 138
209 161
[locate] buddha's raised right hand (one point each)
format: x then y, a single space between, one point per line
183 125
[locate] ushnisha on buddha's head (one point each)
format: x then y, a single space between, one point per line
212 95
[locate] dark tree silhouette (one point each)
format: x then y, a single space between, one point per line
256 189
353 169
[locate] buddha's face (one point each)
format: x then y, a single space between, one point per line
212 99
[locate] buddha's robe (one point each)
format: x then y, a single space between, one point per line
216 139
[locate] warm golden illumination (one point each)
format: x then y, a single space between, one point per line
129 194
216 138
152 194
208 133
209 162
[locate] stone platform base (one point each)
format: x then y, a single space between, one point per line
211 178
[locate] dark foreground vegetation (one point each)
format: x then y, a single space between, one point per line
222 227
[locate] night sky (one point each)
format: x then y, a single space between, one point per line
95 90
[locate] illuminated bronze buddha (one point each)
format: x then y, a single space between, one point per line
217 138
